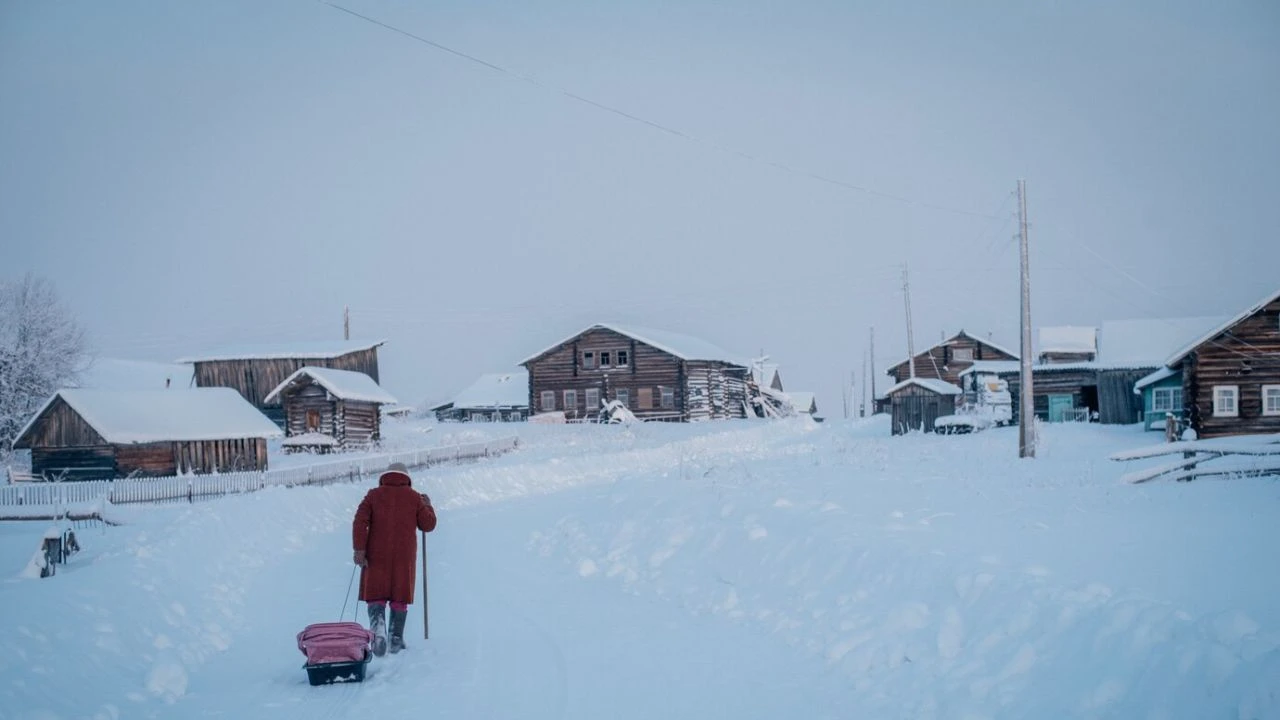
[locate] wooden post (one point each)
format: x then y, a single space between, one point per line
1026 391
426 624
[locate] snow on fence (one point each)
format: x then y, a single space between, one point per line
1241 455
191 487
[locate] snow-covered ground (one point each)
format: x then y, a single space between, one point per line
738 569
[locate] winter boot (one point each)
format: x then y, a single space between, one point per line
397 629
378 625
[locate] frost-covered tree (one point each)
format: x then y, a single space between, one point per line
42 347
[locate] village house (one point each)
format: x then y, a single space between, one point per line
327 409
1230 375
657 375
915 403
102 434
255 371
946 360
494 397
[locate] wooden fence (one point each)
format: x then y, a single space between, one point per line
192 487
1239 456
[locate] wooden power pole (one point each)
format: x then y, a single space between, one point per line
911 345
1026 392
346 322
873 371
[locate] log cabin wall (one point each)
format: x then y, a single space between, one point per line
361 423
74 463
298 403
1246 356
946 361
354 424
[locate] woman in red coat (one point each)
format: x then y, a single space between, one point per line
387 548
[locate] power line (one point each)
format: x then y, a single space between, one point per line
652 124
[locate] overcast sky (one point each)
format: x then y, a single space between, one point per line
198 174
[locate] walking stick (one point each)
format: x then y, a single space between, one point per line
426 633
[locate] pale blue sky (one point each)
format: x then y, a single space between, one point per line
203 173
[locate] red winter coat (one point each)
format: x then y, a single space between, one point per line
384 529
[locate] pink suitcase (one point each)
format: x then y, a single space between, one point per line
336 652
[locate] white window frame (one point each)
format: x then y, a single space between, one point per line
667 398
589 359
592 398
1270 412
618 358
1220 393
548 400
1173 396
570 400
605 359
966 357
623 395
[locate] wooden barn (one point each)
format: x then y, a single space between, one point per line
915 403
656 374
946 360
96 434
330 409
1231 374
255 371
495 397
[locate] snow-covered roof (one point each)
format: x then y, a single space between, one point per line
1147 343
684 347
992 367
119 374
503 390
321 350
309 439
143 416
951 341
941 387
1068 339
1221 328
342 384
1153 378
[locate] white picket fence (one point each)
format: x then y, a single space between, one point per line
192 487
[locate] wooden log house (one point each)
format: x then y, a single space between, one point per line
494 397
103 434
255 371
656 374
946 360
1231 374
330 409
915 403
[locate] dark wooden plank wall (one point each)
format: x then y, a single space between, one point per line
61 426
219 455
1064 382
255 379
149 459
561 369
939 362
80 463
1248 356
1118 404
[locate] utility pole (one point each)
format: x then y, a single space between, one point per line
911 345
862 407
1026 404
346 322
873 370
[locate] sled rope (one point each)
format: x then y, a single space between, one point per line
347 597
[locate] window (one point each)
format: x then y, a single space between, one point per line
962 355
589 360
622 358
644 396
1271 399
604 358
592 397
1167 399
668 397
548 400
1226 400
624 396
570 400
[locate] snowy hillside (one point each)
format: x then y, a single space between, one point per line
737 570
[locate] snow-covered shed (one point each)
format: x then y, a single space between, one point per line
656 374
341 405
254 371
89 434
494 397
915 403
